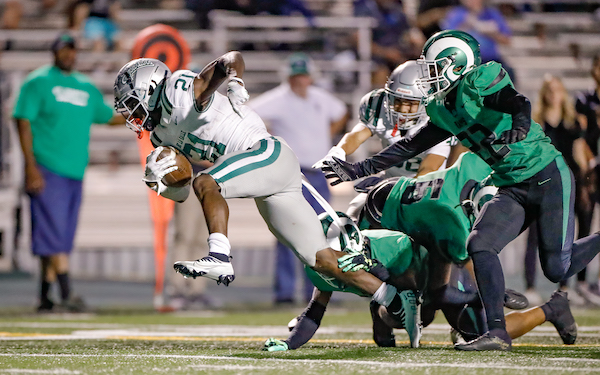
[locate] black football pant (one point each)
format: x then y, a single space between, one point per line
547 198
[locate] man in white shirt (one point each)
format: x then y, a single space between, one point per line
305 116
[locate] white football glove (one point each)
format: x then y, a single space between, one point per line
156 170
336 151
237 94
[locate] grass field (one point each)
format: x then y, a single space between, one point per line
229 342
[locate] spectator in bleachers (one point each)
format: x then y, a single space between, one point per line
54 112
97 19
588 115
202 8
486 24
12 11
306 117
555 112
394 40
431 13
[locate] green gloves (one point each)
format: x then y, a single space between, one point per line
274 345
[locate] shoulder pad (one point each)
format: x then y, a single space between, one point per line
489 78
369 104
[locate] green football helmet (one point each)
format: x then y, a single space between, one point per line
446 56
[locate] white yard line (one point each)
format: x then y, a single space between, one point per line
328 362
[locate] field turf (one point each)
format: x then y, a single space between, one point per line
229 342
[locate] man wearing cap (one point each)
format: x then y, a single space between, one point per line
306 117
54 112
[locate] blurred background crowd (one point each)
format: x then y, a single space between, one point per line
550 49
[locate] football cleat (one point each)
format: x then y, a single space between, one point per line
407 317
383 335
292 324
483 343
515 300
209 266
456 337
561 318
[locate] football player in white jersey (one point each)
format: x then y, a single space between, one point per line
184 110
392 113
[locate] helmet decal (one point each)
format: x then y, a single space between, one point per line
446 57
342 234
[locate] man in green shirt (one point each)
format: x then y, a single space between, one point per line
479 105
54 112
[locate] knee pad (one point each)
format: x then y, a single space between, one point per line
478 244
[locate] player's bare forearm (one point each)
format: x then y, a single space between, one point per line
431 163
215 73
351 141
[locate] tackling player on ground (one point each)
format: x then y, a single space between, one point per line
407 264
184 110
479 105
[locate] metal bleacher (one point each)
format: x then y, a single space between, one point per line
530 55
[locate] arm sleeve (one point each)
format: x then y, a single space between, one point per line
404 149
508 100
308 323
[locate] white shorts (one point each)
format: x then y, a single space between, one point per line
269 172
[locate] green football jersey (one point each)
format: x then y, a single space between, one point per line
395 250
428 208
61 108
473 123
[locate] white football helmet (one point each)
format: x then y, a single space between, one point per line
481 193
342 234
446 56
137 91
401 88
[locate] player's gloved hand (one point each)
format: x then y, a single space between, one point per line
355 261
511 136
156 170
274 345
342 171
336 151
237 94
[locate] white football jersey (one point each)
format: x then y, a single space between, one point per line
374 115
207 133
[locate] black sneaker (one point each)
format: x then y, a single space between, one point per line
515 300
46 306
383 335
73 305
485 342
561 317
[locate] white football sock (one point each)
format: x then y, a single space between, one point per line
219 243
385 294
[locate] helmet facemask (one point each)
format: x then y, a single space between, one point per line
135 112
137 90
436 75
404 111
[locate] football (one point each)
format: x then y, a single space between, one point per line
183 175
